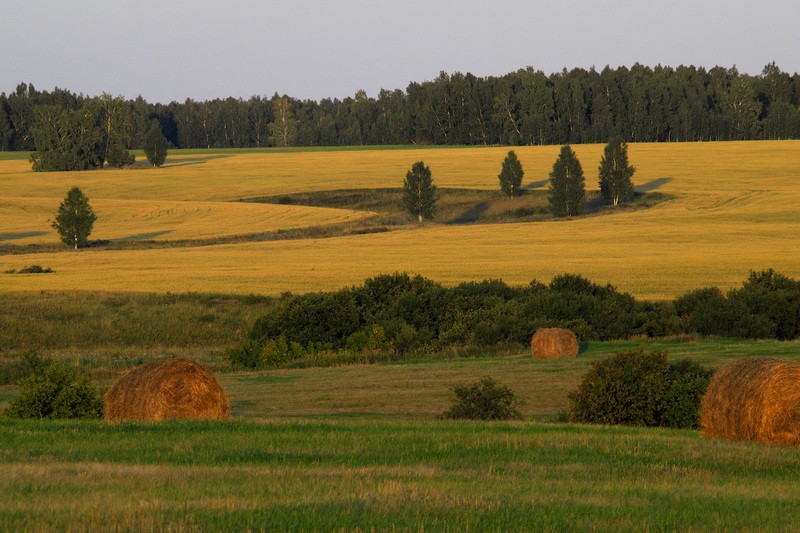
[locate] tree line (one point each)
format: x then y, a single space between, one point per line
526 107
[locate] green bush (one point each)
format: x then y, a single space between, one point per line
640 389
687 381
246 356
52 390
484 400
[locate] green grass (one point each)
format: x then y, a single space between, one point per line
377 473
97 319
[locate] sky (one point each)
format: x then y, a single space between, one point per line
170 50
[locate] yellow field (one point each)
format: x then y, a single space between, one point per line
737 209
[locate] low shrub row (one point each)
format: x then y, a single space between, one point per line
399 313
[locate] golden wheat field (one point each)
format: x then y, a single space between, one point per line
736 209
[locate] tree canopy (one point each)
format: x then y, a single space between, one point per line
637 103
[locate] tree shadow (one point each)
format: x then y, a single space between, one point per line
183 161
143 236
652 185
472 214
21 235
535 185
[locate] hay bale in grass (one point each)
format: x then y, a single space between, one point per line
175 388
552 343
757 399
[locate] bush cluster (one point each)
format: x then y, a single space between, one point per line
51 390
399 313
402 313
484 400
33 269
640 389
767 305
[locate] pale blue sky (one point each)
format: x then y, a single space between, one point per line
170 50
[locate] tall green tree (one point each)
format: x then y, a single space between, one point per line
567 189
117 126
155 145
511 175
66 140
615 173
419 192
74 219
283 129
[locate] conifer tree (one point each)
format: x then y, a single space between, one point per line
567 190
511 175
419 192
615 173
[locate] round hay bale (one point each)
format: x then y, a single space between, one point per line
756 399
553 343
175 388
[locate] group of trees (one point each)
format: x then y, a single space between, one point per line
567 192
638 104
97 133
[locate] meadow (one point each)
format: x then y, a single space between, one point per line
360 447
734 210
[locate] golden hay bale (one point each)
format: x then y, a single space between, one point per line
552 343
757 398
175 388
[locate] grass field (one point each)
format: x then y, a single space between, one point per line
736 210
369 473
360 447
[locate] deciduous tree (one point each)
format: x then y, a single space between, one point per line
419 192
615 172
567 190
155 147
511 175
74 219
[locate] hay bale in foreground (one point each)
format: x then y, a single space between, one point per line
175 388
757 399
552 343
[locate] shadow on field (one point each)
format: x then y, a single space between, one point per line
143 236
535 185
652 185
21 235
473 214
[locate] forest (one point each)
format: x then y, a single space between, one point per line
526 107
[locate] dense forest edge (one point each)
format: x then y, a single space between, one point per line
526 107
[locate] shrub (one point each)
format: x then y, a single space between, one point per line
640 389
484 400
55 391
687 381
371 339
626 388
246 356
33 269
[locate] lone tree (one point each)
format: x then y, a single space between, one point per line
419 192
511 175
155 145
567 191
615 173
74 219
